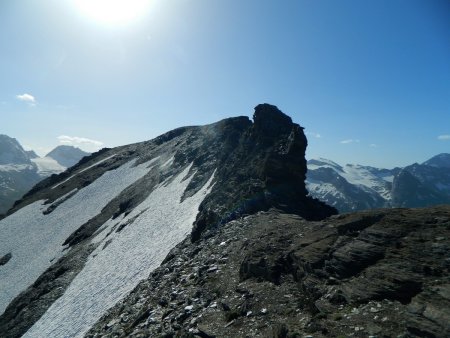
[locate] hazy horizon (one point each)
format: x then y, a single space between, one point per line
369 81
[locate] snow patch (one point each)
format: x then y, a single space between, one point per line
47 166
97 163
91 166
112 271
15 167
34 238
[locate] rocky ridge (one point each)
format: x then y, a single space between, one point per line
255 166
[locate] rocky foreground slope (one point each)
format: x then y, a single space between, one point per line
381 273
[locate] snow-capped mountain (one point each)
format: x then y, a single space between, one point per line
11 152
20 170
356 187
421 185
80 241
66 156
17 173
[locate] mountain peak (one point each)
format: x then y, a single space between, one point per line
67 156
11 152
269 120
440 161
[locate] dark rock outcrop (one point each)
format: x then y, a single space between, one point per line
5 259
264 167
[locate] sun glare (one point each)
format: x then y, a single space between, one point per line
112 11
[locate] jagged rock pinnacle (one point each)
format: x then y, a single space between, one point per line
270 120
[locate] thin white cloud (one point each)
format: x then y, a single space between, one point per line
373 145
28 98
79 141
349 141
445 137
316 135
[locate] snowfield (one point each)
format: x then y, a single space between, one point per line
47 166
35 239
79 172
367 177
124 258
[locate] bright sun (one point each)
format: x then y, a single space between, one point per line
112 11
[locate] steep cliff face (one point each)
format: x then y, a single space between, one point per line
79 241
265 168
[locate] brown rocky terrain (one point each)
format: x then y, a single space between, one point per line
381 273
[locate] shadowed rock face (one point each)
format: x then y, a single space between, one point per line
266 168
11 152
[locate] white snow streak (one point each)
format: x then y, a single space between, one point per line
34 239
161 221
97 163
79 172
15 167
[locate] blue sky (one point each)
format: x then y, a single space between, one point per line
369 80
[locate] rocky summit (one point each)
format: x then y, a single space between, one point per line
209 231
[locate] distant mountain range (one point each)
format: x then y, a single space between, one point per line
20 170
356 187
